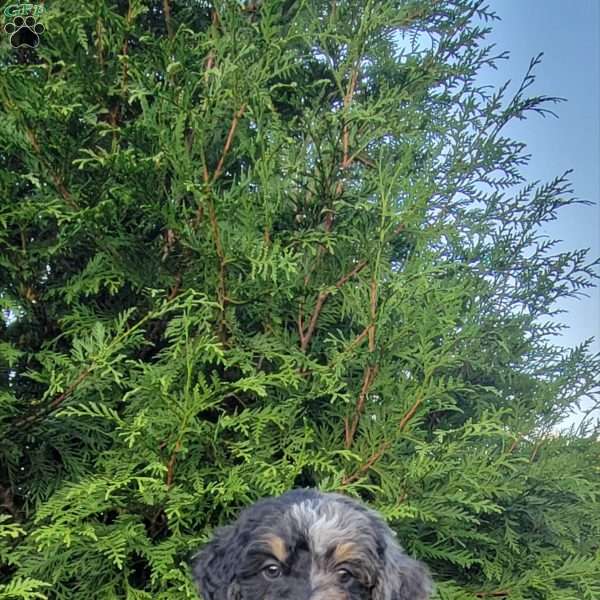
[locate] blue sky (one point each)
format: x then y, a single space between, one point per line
568 33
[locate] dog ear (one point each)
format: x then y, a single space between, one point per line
402 578
214 566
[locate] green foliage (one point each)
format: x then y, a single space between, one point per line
252 246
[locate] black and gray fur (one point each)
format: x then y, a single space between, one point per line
308 545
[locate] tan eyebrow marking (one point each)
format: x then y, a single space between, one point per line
346 551
278 547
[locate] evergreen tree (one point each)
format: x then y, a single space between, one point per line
252 246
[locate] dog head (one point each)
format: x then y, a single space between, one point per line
308 545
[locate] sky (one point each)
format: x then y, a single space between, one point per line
568 33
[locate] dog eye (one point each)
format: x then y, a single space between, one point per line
344 576
272 571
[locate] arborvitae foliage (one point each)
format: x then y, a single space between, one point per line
247 247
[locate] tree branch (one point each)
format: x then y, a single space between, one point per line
305 338
366 466
56 179
410 413
370 372
57 401
369 375
346 160
168 22
345 163
234 123
221 288
171 464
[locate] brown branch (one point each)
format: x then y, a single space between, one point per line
171 464
210 61
216 18
364 161
497 594
99 43
346 161
536 449
305 338
399 229
370 372
369 375
7 501
234 123
358 339
373 306
176 288
221 288
514 445
56 179
300 323
125 49
357 269
158 326
115 110
411 413
57 401
170 238
214 223
80 378
167 12
367 465
212 215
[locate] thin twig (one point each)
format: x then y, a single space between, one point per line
344 164
57 180
358 339
152 336
373 307
514 445
234 123
125 48
57 401
83 375
210 61
370 372
7 501
305 338
100 43
171 464
346 161
536 449
369 375
167 11
367 465
411 413
212 215
221 288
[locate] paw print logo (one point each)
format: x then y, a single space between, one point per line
24 32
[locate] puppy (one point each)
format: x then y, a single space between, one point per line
308 545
